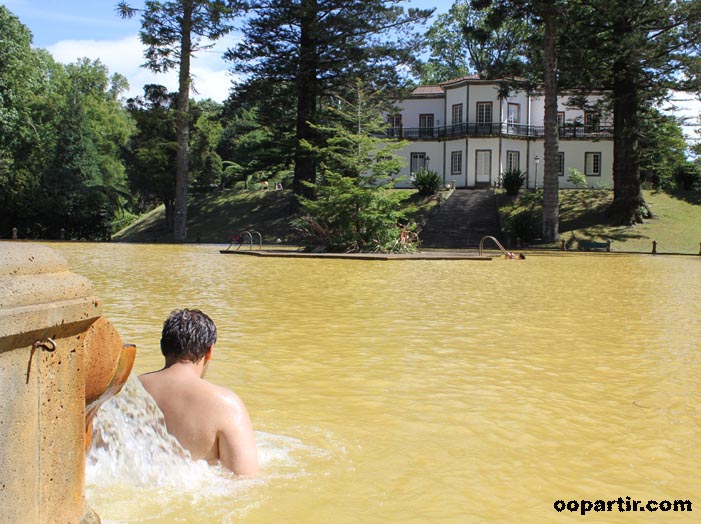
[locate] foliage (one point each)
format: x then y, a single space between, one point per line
151 155
461 42
547 19
206 165
521 217
356 209
255 148
22 136
639 50
298 53
426 181
62 131
512 180
662 148
576 177
173 31
351 214
687 177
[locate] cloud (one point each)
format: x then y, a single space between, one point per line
687 108
125 56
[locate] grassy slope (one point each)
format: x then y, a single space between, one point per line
676 226
215 218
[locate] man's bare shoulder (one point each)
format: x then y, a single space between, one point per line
162 380
224 397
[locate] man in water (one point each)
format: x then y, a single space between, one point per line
210 421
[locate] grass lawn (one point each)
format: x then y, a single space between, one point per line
216 217
676 226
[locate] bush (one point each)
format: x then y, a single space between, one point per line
512 180
687 177
521 225
426 181
352 214
576 177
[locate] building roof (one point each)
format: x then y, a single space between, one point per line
438 90
427 91
460 80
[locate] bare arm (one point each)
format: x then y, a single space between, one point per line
235 440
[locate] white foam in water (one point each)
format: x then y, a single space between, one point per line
131 449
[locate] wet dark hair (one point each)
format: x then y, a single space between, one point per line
188 334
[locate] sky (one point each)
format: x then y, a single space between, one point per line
72 29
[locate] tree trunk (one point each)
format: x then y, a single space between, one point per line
170 214
628 206
306 90
183 158
551 183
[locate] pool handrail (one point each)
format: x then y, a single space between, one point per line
260 239
249 234
501 248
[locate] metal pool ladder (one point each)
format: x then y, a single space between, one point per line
249 234
504 251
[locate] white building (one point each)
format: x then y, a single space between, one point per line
465 132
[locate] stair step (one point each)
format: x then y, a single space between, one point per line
462 221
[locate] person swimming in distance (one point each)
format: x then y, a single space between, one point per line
210 421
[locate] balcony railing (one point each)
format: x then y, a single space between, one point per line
588 132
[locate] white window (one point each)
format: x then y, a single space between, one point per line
483 166
395 125
591 122
561 164
513 117
418 162
484 112
426 124
513 160
560 119
456 162
592 164
457 114
514 113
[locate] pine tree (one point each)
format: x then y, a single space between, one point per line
173 31
546 15
307 50
356 209
640 50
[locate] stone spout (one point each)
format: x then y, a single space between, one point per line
108 364
59 361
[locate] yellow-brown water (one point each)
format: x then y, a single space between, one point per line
428 391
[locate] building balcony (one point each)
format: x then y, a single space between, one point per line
568 131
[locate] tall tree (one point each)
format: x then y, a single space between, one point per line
640 50
310 49
546 15
662 148
84 180
356 210
153 149
463 42
22 83
173 31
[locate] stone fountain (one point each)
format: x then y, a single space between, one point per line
59 361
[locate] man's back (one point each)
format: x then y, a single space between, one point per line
210 421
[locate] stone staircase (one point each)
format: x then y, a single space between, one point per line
465 217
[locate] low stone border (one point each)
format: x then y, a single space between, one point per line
433 255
